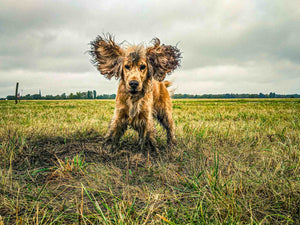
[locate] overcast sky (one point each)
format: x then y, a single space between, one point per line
242 46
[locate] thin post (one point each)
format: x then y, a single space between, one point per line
16 96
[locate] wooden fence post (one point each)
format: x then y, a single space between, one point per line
16 96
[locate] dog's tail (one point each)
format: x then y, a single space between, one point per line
169 84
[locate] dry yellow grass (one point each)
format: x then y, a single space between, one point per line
237 162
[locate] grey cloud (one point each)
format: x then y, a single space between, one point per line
269 31
256 43
52 37
30 15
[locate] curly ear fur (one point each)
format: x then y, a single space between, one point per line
107 56
163 59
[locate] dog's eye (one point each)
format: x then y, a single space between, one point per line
127 67
142 67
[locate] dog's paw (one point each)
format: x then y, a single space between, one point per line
109 145
172 142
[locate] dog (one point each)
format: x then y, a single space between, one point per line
142 94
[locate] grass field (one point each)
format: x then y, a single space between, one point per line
237 162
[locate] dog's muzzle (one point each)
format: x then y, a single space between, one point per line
133 85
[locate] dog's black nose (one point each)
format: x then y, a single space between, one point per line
134 84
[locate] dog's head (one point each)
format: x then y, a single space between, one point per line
135 64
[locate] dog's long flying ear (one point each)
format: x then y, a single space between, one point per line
162 59
107 56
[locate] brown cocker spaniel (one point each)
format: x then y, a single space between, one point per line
142 93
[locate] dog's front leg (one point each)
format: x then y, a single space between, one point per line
116 129
146 134
142 136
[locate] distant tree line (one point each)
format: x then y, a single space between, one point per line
93 95
260 95
77 95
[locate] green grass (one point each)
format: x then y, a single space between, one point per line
237 162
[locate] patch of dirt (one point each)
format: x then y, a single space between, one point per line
45 152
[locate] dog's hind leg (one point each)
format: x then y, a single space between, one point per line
165 119
147 137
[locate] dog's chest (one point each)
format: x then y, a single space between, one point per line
134 108
137 112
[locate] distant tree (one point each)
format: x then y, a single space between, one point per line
36 96
71 96
90 95
10 97
105 96
272 95
83 95
28 97
48 97
78 95
94 94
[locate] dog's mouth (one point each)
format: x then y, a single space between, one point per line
133 91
